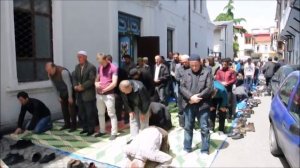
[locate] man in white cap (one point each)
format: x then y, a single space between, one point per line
84 77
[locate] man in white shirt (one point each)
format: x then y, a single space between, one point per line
249 70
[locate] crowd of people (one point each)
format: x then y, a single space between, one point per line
139 94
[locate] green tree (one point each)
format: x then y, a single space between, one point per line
228 15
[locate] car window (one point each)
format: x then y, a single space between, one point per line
295 105
286 90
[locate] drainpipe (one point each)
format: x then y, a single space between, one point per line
189 26
225 39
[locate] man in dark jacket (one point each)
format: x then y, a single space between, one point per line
41 118
161 77
62 82
196 87
268 71
145 77
160 116
84 78
136 102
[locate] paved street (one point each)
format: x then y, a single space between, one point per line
253 150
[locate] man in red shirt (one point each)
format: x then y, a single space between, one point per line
227 77
105 83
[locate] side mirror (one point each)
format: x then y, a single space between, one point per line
295 129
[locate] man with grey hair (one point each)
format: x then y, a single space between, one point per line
136 102
62 81
179 73
84 77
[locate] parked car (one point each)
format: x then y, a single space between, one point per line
284 135
280 75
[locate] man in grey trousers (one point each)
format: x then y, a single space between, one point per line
84 77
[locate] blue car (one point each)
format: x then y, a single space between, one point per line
284 136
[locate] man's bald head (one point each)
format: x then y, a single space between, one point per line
125 87
50 68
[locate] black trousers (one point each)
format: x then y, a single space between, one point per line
213 114
268 84
231 104
87 112
69 113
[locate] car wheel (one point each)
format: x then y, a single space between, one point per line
274 148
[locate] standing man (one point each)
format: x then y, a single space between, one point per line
227 77
161 77
173 66
215 66
62 81
128 64
105 83
179 74
41 116
136 102
196 87
84 79
141 66
268 71
249 70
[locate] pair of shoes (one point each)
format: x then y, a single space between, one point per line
112 137
36 157
100 134
83 132
48 158
12 159
21 144
75 164
128 142
238 136
64 127
92 165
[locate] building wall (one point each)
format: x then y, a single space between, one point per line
93 26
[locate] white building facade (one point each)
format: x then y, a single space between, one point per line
223 39
34 32
288 24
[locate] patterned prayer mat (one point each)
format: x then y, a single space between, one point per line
111 152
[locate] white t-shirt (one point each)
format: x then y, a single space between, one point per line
157 69
249 69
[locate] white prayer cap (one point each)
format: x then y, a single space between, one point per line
236 59
82 52
185 57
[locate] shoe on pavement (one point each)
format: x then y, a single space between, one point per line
21 144
77 164
64 127
48 158
100 134
14 159
36 157
113 137
89 133
238 136
70 163
72 130
92 165
83 132
7 157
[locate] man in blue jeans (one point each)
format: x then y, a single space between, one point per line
41 118
196 88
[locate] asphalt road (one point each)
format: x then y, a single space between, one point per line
253 150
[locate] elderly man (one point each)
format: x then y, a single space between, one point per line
215 66
136 102
84 78
179 73
105 83
149 149
141 66
196 88
62 81
161 77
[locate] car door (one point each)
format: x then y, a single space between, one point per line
280 107
291 140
